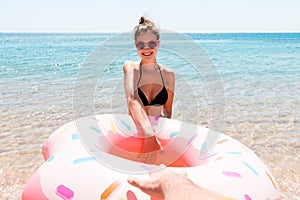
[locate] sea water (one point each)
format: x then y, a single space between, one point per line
256 98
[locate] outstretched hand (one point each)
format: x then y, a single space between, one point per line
169 185
151 186
159 183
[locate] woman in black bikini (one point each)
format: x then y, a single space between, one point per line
149 86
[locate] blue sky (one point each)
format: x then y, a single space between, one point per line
175 15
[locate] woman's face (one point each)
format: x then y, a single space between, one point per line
147 46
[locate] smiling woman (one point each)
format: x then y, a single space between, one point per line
149 86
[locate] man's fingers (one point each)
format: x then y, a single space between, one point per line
136 182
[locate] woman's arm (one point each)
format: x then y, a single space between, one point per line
134 104
170 81
139 115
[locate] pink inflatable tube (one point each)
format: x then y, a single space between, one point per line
92 157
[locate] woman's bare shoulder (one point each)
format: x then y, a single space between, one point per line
166 70
130 66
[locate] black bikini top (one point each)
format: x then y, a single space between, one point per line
160 99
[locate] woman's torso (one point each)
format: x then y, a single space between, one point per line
151 85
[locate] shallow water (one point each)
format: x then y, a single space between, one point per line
260 75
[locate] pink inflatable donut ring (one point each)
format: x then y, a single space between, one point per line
92 157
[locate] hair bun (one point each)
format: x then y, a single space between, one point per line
142 20
144 26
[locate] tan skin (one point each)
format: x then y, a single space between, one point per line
151 85
169 185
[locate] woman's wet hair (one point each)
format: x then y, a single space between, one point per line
144 26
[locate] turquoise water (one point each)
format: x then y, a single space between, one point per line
259 72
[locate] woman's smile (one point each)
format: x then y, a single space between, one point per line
147 54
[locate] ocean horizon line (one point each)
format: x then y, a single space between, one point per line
120 32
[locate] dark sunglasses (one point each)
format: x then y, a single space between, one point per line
142 45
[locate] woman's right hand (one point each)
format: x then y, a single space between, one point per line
151 144
151 148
